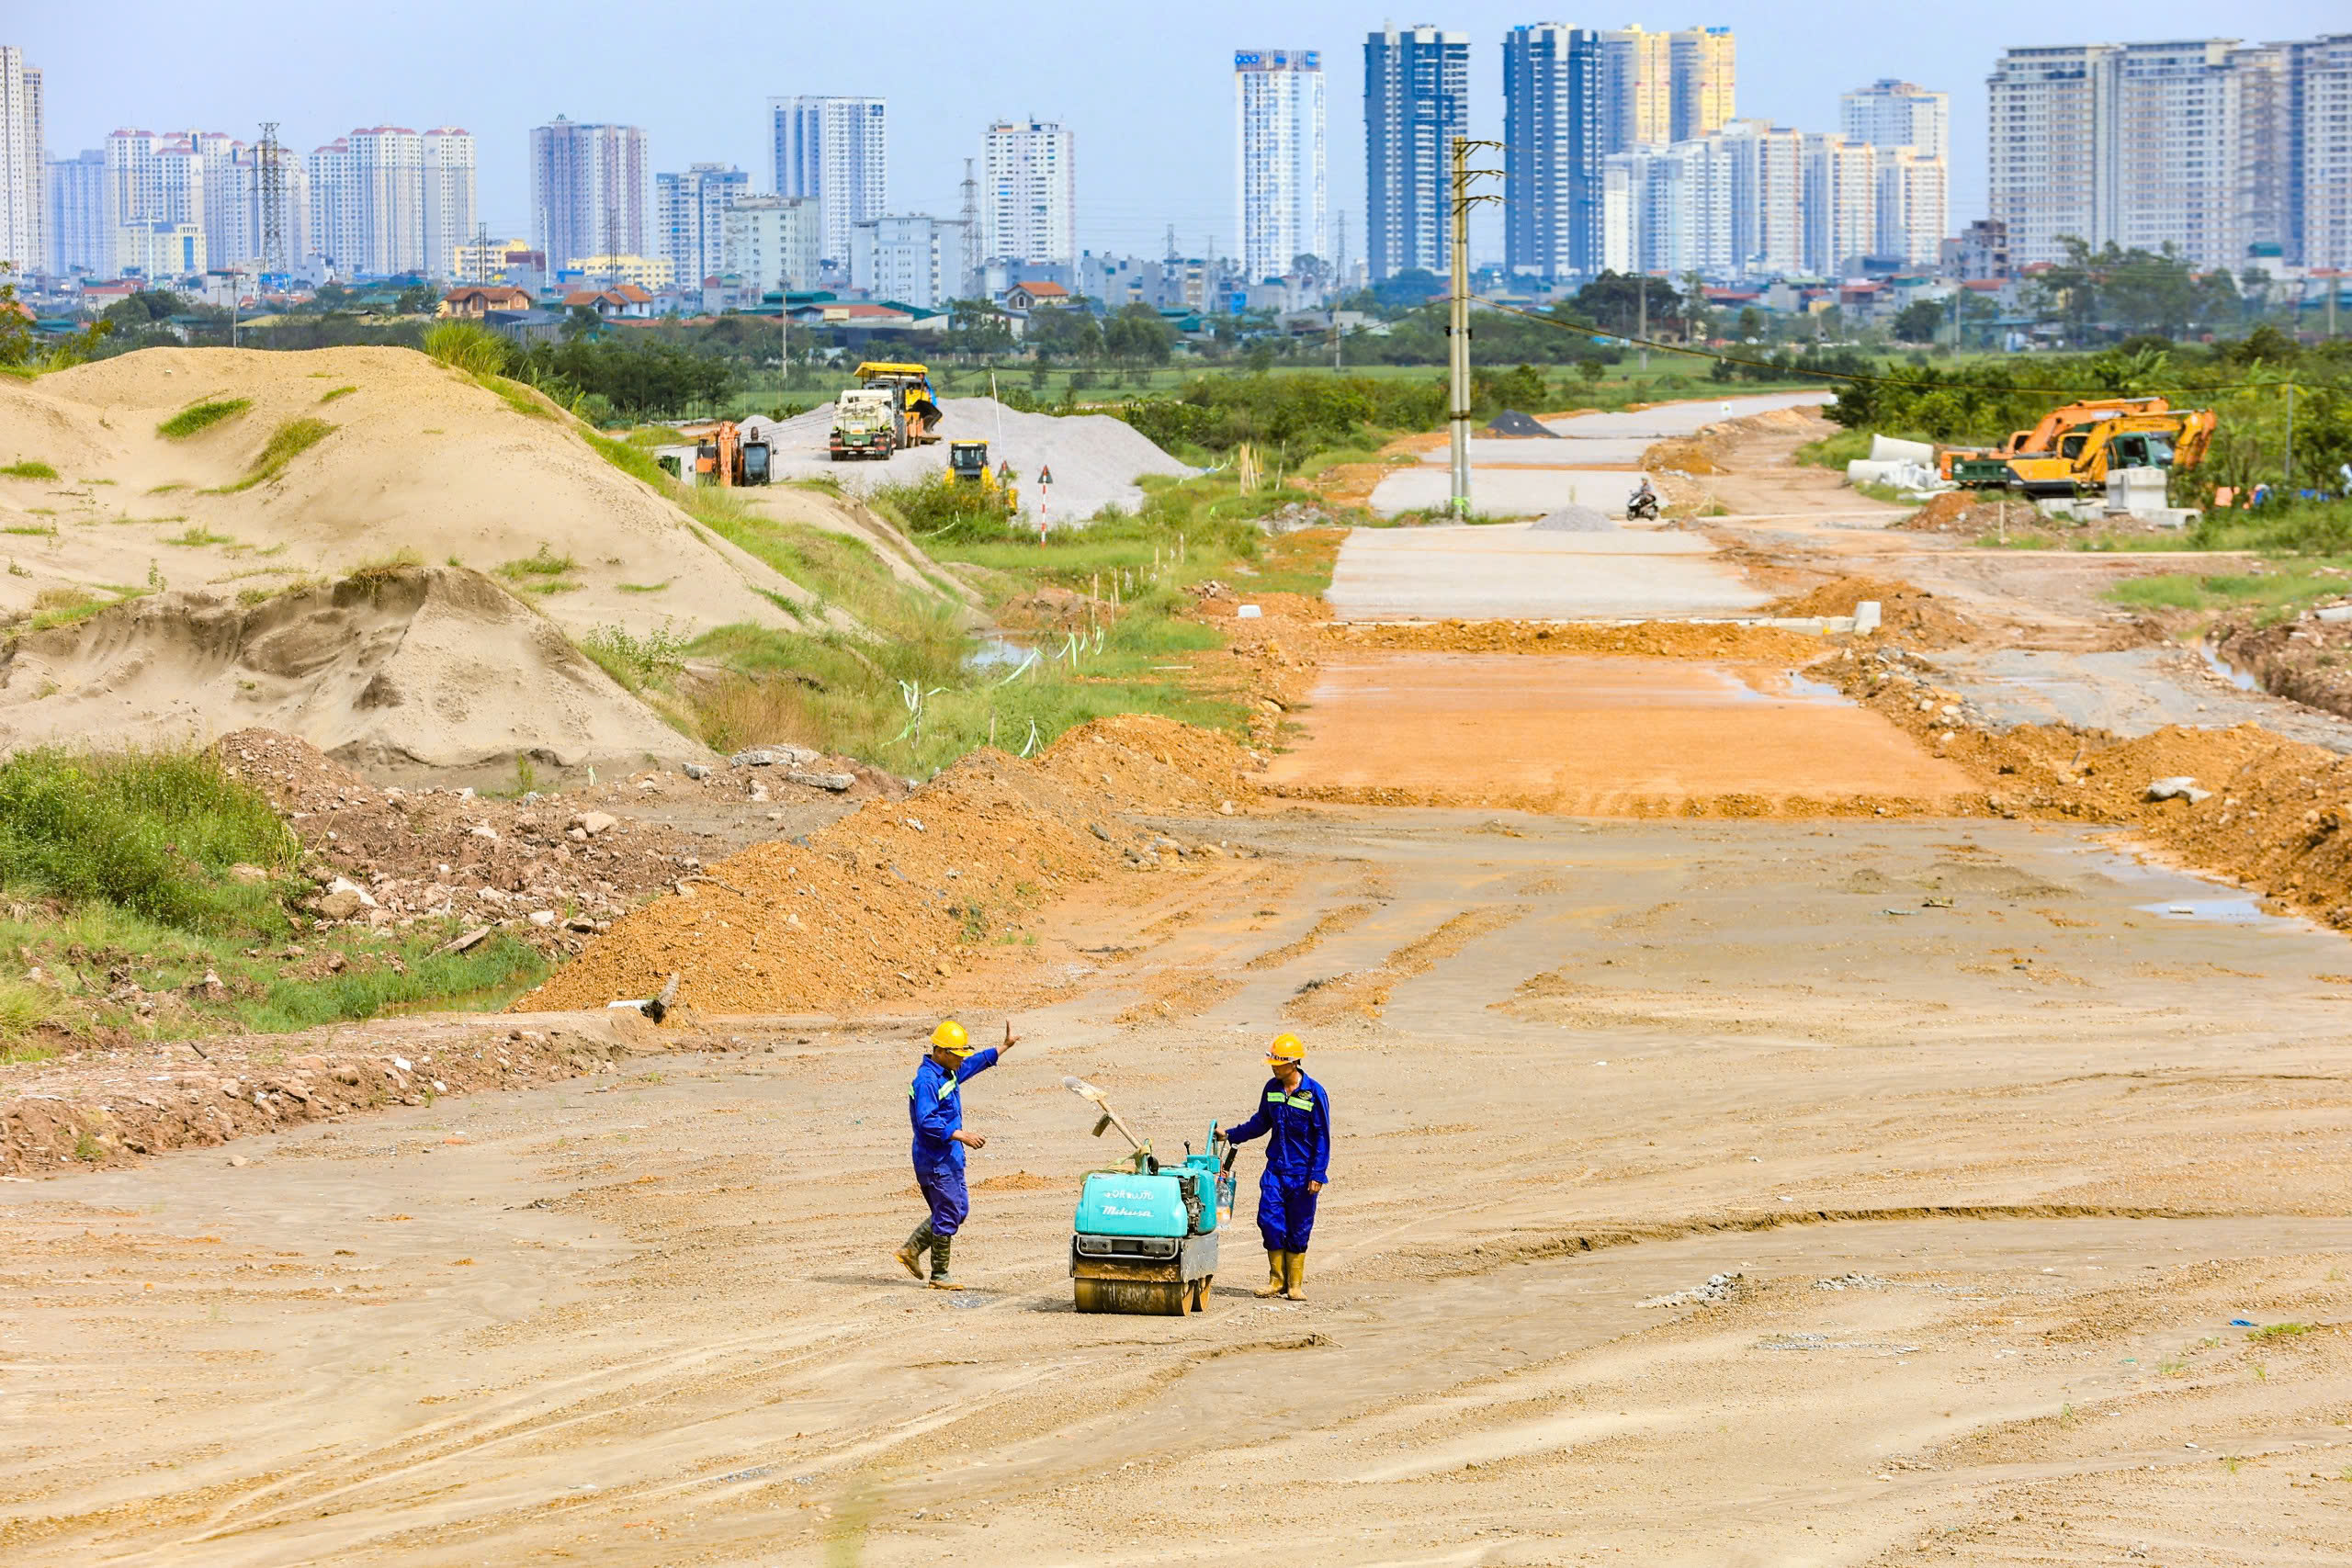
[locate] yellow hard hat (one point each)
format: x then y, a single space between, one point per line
1286 1048
950 1037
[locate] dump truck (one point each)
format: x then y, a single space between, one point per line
915 413
864 424
1144 1237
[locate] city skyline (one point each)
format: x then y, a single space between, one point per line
1152 158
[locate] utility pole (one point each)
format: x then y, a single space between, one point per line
2287 480
1458 325
1457 331
1642 314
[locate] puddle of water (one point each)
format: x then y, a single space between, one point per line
2239 678
2216 911
1798 689
995 652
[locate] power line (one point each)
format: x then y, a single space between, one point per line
1597 336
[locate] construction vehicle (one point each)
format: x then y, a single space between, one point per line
2080 458
967 464
2043 436
1143 1240
915 413
864 424
723 458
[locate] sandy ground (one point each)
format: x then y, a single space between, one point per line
1509 571
1818 1189
1995 1193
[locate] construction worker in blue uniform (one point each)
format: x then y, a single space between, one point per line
935 1107
1294 1116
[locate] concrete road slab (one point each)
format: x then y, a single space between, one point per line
1506 493
1682 418
1509 571
1596 736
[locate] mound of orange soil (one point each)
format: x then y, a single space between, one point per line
1655 639
876 906
1910 613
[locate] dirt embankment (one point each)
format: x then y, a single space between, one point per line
1708 450
101 1107
883 903
2271 814
1905 611
1652 639
2305 660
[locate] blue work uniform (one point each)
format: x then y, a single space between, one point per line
1297 1151
935 1107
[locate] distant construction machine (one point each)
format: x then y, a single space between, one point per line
915 413
967 464
1144 1240
2071 450
720 455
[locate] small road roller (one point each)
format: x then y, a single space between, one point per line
1145 1238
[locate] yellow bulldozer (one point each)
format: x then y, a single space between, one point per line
2071 450
967 464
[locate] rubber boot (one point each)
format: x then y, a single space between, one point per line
909 1256
941 1245
1273 1285
1294 1276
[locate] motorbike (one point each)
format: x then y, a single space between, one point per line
1642 505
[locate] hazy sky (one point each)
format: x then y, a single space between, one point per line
1147 90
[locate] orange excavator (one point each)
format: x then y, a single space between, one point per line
723 458
2071 449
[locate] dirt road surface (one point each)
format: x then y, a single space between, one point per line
1817 1188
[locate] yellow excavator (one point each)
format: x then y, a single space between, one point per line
967 464
2071 449
915 411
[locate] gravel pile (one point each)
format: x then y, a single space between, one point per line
1510 422
1096 459
1577 518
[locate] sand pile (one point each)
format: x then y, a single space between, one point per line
418 457
1577 518
1913 614
419 668
876 906
1650 640
1096 459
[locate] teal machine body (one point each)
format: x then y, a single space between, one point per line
1144 1237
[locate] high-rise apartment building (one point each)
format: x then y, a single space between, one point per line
1637 88
1552 150
1278 113
1416 101
450 209
772 241
80 237
2319 152
589 187
1029 192
1767 197
1667 210
24 195
1912 196
1840 204
1703 77
2207 145
385 200
689 213
1889 113
913 259
834 152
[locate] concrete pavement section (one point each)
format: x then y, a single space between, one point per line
1510 571
1502 484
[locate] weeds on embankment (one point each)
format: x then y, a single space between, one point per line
152 894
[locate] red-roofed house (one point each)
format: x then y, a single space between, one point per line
1029 296
624 302
475 300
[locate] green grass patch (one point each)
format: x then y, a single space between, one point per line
633 461
2302 527
32 530
166 489
65 607
150 832
2283 585
545 563
333 393
195 536
636 662
288 442
197 418
28 469
2280 1331
643 587
526 400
